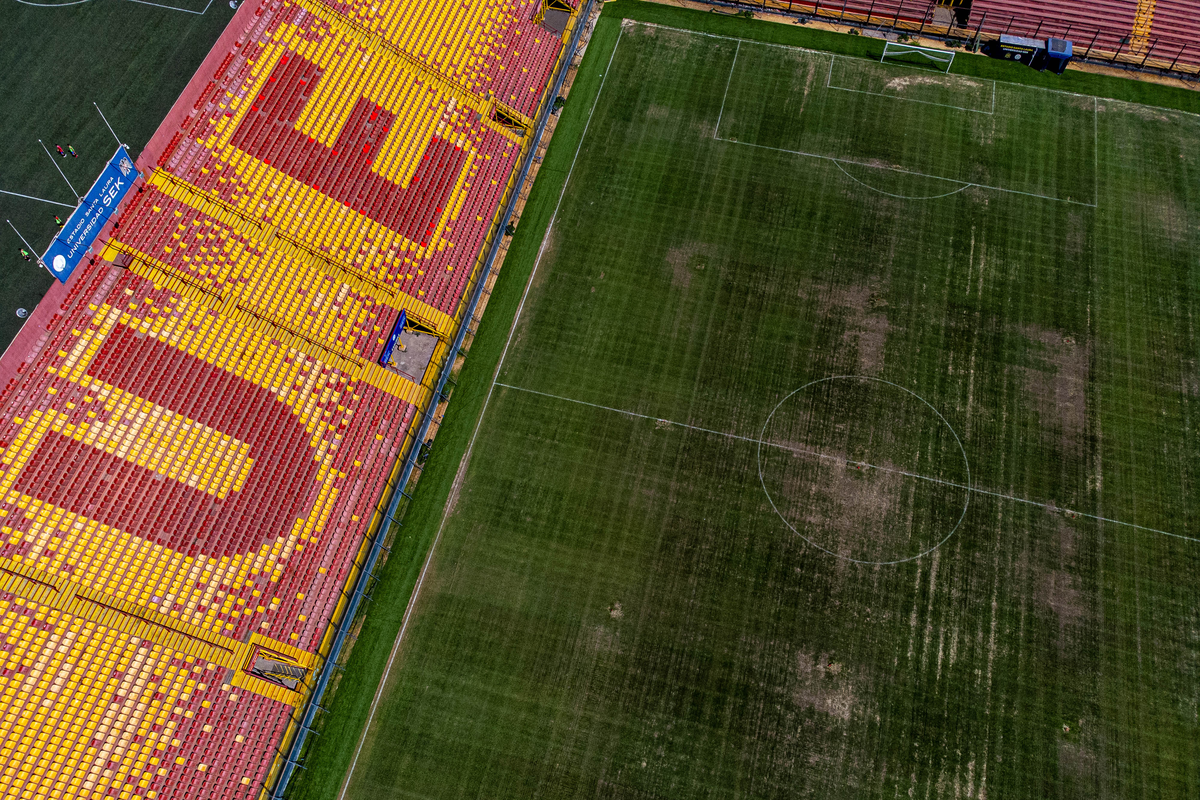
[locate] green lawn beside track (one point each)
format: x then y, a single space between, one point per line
131 58
616 610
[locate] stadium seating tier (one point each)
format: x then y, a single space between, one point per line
195 434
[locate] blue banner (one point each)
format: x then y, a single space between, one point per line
386 358
81 229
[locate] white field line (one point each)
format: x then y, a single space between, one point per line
462 468
865 464
1096 146
175 8
51 5
824 52
900 196
966 184
728 81
29 196
829 85
840 161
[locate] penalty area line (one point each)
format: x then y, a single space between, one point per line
830 85
839 161
966 184
466 459
866 464
200 13
52 5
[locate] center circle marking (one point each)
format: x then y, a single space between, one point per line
966 466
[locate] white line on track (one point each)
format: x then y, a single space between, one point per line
868 465
462 468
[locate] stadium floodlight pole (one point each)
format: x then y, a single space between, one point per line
110 128
27 244
55 163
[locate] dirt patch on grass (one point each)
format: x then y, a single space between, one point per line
823 685
1191 381
658 112
867 325
603 639
848 509
1059 389
1076 238
902 83
841 460
687 261
1078 764
1059 591
1172 218
1149 113
809 68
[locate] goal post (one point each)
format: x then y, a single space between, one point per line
939 57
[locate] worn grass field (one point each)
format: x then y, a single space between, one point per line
131 58
845 447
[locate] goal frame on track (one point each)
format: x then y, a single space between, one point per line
933 54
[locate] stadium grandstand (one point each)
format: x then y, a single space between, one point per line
1148 34
196 430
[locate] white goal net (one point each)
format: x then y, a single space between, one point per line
941 58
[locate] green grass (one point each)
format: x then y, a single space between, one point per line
130 58
616 610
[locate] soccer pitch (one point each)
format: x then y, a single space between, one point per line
844 446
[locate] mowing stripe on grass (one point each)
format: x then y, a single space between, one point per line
964 187
466 459
839 161
966 184
867 464
200 13
829 85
